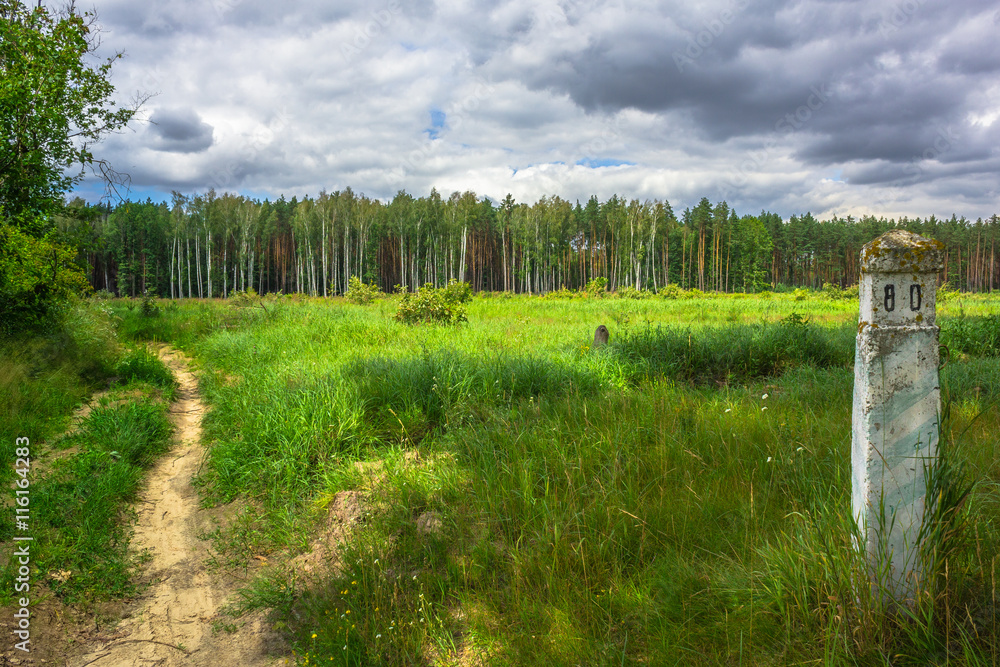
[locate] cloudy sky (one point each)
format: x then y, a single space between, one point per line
888 107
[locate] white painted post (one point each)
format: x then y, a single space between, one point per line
897 404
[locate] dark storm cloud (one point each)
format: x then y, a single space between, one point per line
179 131
894 72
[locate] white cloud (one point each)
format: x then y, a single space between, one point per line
280 99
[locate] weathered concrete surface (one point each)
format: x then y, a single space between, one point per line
897 403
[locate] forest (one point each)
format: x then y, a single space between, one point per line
213 244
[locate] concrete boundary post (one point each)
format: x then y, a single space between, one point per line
897 404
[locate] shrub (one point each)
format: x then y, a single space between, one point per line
360 293
149 307
597 287
430 304
945 293
629 292
457 292
832 292
37 276
562 293
671 291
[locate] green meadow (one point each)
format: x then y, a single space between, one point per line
680 496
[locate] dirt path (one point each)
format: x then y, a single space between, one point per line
172 623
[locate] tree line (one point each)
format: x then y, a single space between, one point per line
213 244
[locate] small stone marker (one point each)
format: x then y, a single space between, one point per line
601 336
897 404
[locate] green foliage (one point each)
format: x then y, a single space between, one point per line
734 353
55 103
429 304
671 291
78 507
975 336
600 509
563 293
149 307
247 302
361 293
37 276
458 292
831 291
947 292
141 365
43 377
629 292
597 287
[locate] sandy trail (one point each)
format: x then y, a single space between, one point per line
172 623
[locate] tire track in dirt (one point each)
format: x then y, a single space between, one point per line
172 623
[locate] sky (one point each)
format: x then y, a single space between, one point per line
834 107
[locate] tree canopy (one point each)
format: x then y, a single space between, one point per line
55 104
212 244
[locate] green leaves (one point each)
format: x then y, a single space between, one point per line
442 305
35 275
53 107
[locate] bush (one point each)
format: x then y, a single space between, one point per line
671 291
457 292
37 276
359 293
629 292
945 293
834 293
597 287
149 307
562 293
430 304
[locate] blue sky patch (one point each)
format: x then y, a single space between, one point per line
603 162
437 123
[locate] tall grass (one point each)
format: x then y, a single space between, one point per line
43 377
678 497
80 485
78 508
